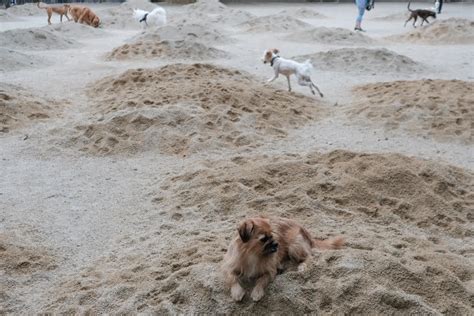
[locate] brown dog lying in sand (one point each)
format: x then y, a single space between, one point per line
62 10
84 15
262 248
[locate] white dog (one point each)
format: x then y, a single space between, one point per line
156 18
289 67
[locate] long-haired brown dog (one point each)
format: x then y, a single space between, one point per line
84 15
262 248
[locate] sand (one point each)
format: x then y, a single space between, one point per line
274 23
363 60
182 109
330 35
442 108
124 179
449 31
27 9
166 49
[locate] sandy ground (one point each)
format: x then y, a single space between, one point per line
129 156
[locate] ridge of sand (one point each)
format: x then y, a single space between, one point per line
27 9
212 11
6 16
274 23
179 49
439 108
363 60
403 266
71 30
330 35
449 31
303 13
12 60
35 39
182 109
19 107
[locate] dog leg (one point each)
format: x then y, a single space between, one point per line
49 17
272 79
289 84
237 292
414 21
67 17
259 289
407 21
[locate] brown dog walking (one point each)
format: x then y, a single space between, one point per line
62 10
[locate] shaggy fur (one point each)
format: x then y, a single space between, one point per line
84 15
262 249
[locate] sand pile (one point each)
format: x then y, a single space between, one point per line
439 108
189 108
75 30
303 13
121 17
274 23
21 262
189 50
211 11
391 209
11 60
330 35
18 107
363 61
27 9
203 32
35 39
450 31
6 16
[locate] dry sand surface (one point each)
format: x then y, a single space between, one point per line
128 156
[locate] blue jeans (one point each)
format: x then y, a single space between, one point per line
361 4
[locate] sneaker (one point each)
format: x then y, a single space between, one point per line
359 29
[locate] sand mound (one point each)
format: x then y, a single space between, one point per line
441 108
34 39
362 60
121 17
212 11
20 262
450 31
18 107
11 60
6 16
74 30
203 32
274 23
189 50
330 35
27 9
189 108
303 13
390 208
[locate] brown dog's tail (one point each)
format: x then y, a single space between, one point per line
327 244
38 4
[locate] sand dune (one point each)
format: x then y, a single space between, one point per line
212 11
35 39
182 109
363 60
27 9
12 60
439 108
166 49
274 23
330 35
71 30
411 269
19 107
449 31
6 16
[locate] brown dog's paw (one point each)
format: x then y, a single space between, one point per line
237 292
257 294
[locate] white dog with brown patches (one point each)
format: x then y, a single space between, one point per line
288 67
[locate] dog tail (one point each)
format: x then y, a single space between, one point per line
38 5
327 244
409 6
307 67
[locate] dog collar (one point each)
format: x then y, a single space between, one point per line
144 18
273 60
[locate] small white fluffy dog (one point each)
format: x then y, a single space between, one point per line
155 18
288 67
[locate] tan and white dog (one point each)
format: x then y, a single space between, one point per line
62 10
288 67
261 250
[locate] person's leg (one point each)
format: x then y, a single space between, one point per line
361 4
440 6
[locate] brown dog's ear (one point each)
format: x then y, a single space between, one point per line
245 230
276 51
